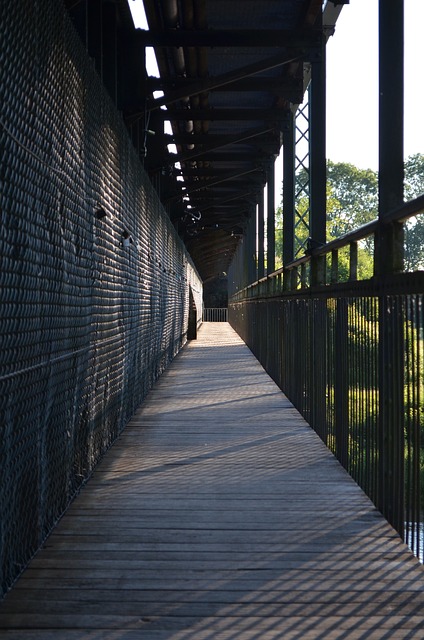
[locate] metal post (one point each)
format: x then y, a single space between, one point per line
318 196
389 245
289 157
261 236
341 382
271 219
251 251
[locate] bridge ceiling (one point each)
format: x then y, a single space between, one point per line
229 72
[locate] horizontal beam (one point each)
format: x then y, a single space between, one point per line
207 140
273 115
208 84
277 86
218 201
283 38
232 156
207 184
212 171
211 142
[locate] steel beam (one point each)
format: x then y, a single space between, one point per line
207 84
229 156
263 115
318 170
207 184
289 160
213 143
391 115
282 38
287 86
251 248
219 200
389 250
271 219
261 236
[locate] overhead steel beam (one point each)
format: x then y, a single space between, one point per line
207 184
208 84
282 38
215 144
232 156
246 196
216 140
264 115
205 139
210 171
278 86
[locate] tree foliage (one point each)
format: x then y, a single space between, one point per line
352 200
414 228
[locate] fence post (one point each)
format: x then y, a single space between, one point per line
341 382
388 259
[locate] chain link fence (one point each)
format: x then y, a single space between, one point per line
94 281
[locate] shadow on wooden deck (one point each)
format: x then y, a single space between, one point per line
218 514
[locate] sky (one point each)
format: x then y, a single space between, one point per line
352 84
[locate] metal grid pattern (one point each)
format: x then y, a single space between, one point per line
302 192
94 283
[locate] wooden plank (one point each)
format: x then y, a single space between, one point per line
307 633
222 596
196 609
121 583
218 514
214 624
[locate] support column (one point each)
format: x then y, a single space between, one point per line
261 236
251 248
318 172
389 247
389 259
271 219
289 158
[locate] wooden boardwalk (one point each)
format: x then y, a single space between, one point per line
218 514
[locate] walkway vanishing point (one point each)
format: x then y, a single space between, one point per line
218 514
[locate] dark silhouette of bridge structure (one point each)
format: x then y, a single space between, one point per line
195 443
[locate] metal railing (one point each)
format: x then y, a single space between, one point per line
215 314
350 356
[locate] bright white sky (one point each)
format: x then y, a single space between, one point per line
352 84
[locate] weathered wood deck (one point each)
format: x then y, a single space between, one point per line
218 514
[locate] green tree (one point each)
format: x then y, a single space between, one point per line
414 228
352 200
414 176
354 197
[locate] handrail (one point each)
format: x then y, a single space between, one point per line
399 214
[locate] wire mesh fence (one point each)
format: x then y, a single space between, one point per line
94 281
